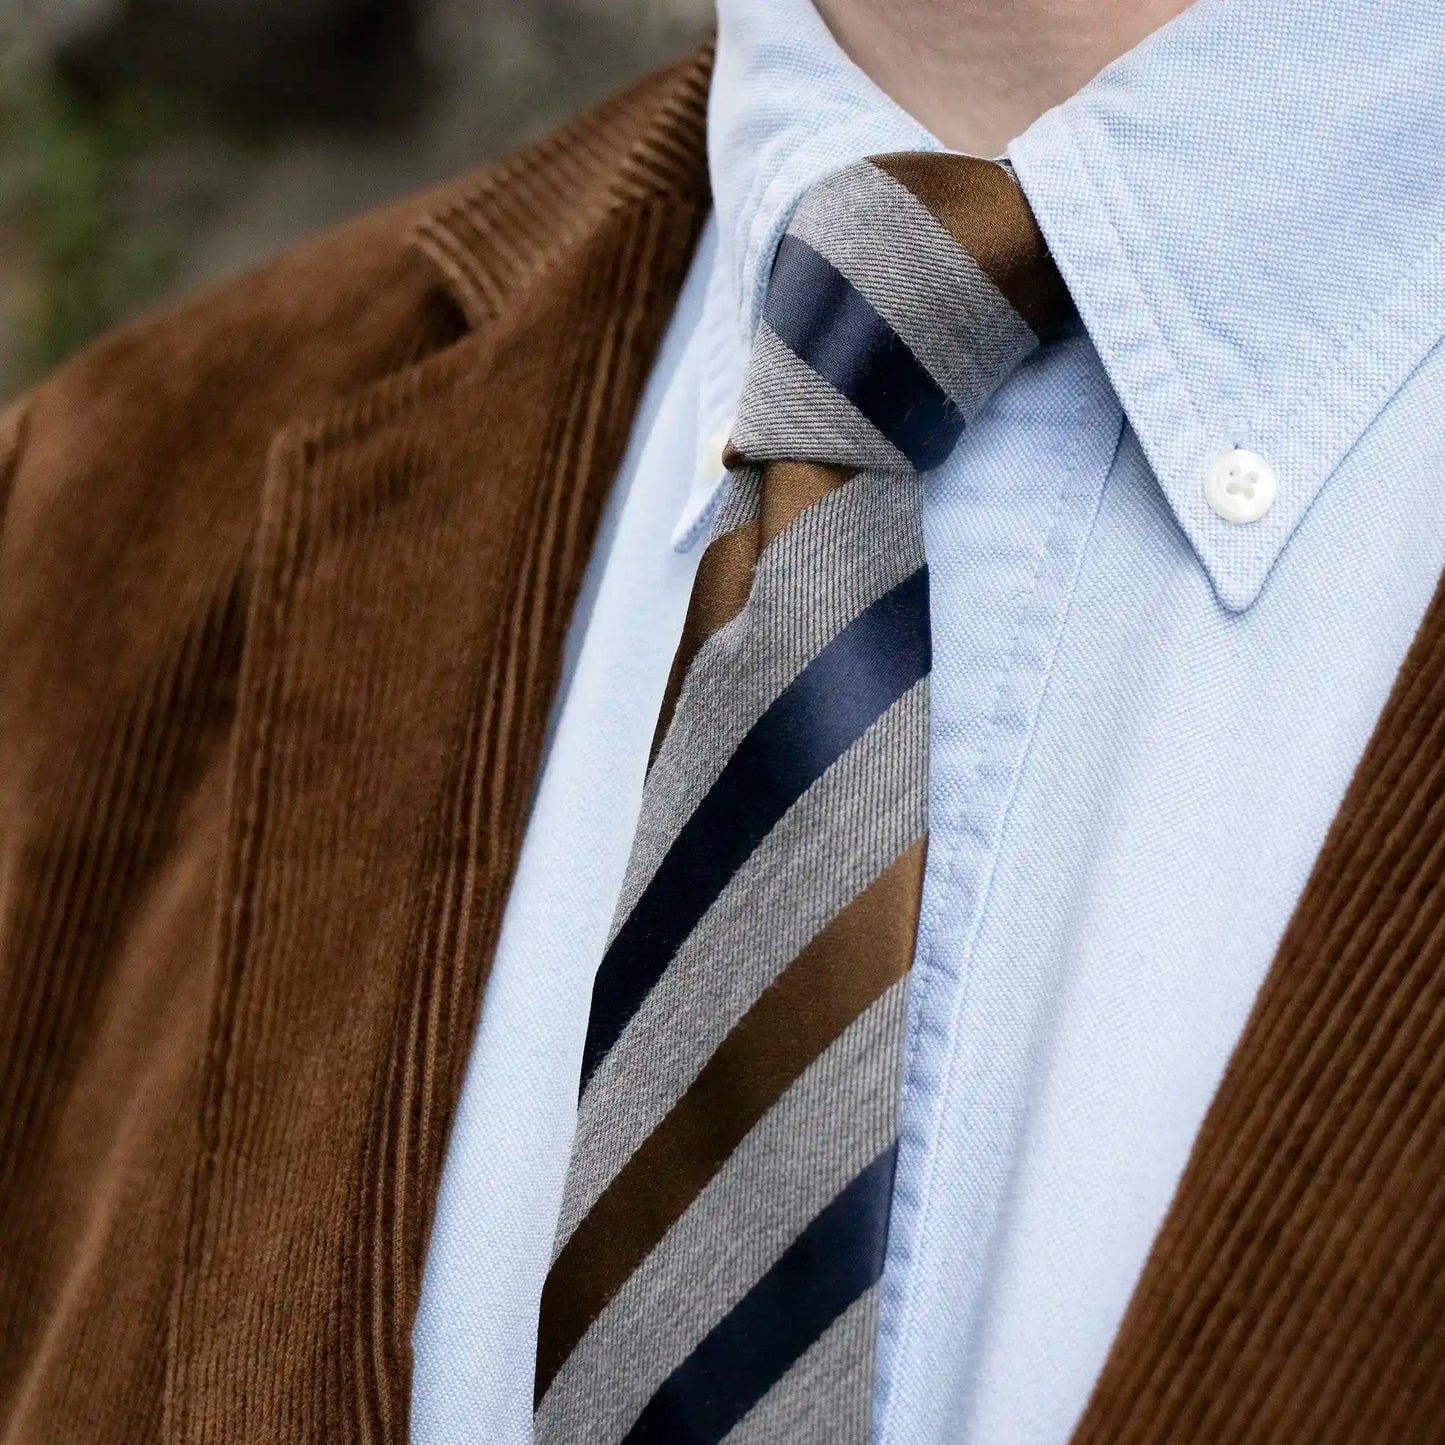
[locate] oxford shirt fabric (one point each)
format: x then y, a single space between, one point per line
1143 716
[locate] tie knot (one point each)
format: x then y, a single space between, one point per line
906 289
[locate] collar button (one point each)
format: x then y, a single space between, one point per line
1240 486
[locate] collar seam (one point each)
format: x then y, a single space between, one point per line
1359 339
1154 306
1142 303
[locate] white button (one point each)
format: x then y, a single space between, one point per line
707 485
710 458
1241 486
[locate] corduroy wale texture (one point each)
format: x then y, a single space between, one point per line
284 581
726 1212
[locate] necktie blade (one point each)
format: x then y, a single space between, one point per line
724 1221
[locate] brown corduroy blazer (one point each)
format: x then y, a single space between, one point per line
284 579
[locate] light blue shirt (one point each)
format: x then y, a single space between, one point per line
1144 716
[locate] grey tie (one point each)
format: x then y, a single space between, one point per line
726 1209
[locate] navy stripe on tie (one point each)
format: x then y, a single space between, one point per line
836 698
819 315
830 1265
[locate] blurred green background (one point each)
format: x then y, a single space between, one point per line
148 147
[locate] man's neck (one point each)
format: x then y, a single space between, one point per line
978 72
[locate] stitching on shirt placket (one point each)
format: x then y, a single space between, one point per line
929 926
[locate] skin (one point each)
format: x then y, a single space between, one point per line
978 72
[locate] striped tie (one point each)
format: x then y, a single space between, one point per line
726 1209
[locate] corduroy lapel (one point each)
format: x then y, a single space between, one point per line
416 561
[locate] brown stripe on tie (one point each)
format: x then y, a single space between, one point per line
725 572
849 963
982 206
724 579
790 488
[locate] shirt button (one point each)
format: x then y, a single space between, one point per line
707 483
1240 486
710 458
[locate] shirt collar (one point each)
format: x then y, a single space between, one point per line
1249 209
